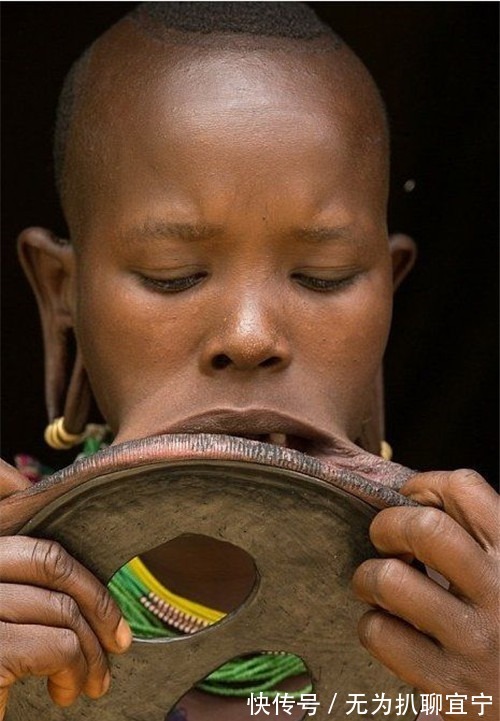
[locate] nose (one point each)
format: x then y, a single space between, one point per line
250 335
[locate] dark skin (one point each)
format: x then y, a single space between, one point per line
247 222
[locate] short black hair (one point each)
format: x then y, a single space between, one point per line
290 20
271 19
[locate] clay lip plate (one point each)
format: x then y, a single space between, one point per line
19 508
312 514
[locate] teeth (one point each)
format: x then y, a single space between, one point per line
278 439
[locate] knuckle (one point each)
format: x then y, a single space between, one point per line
361 580
96 660
22 656
68 609
105 607
69 647
51 559
389 577
362 571
428 522
378 580
379 524
466 477
370 627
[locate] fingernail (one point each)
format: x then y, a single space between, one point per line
123 635
105 684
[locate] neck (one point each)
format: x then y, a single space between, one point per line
210 572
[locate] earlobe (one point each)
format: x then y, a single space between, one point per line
403 251
49 266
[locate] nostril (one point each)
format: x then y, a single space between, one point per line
272 361
221 361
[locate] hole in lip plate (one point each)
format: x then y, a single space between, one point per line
274 683
183 586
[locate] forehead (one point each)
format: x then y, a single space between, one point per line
193 109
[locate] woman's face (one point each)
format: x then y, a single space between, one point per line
233 270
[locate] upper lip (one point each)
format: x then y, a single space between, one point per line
254 422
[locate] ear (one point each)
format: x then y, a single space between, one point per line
49 264
403 251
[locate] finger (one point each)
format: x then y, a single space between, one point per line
435 539
46 564
465 496
62 694
44 651
11 480
411 656
40 607
403 591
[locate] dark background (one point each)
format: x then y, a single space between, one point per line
437 66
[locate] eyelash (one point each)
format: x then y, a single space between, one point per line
173 285
323 285
177 285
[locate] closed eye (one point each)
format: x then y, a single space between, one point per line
323 285
173 285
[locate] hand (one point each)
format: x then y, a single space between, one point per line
56 619
435 639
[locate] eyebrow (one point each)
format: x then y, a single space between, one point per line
161 230
324 234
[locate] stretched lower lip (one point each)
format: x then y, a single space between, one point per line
341 455
266 425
